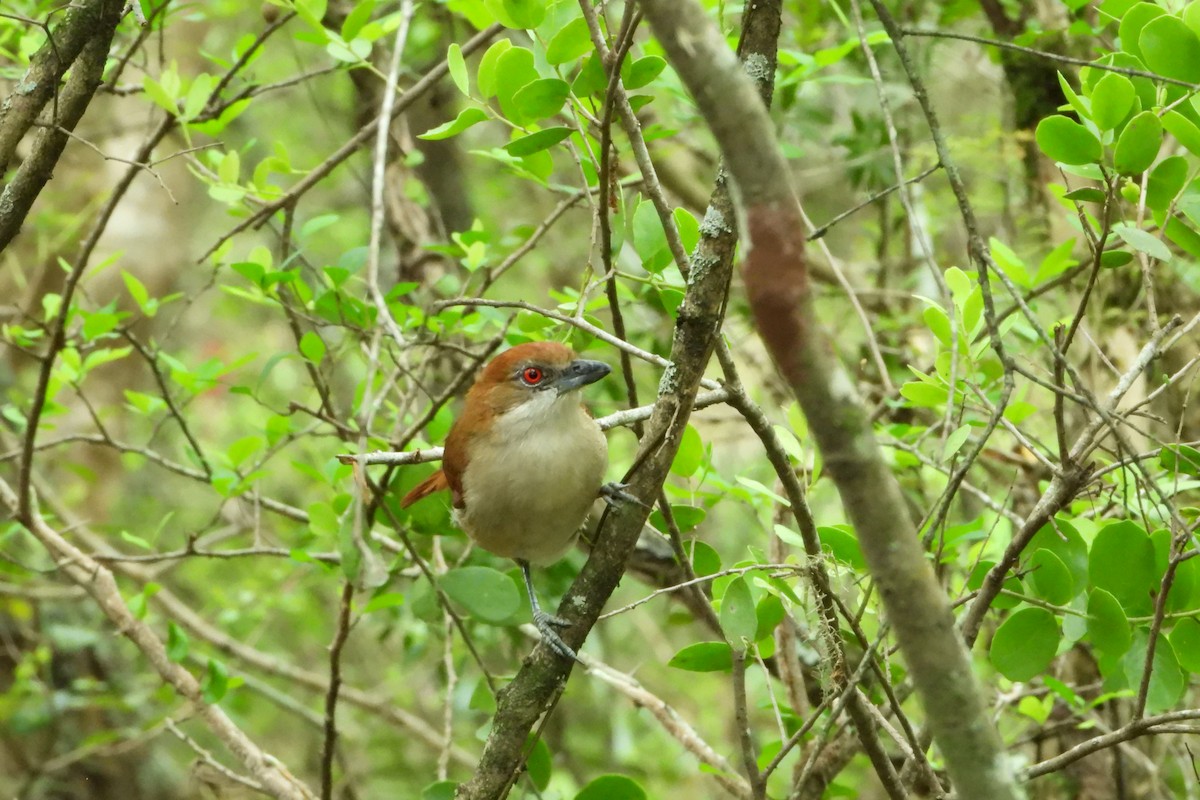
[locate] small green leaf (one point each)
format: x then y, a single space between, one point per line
1180 459
738 618
487 75
1065 140
1138 144
770 613
690 454
1142 241
526 14
841 542
1121 562
177 643
643 71
1050 578
312 347
1184 131
382 601
1112 98
1025 644
1166 181
215 683
1185 638
442 790
458 68
487 594
538 764
466 118
703 657
570 43
1060 537
541 98
536 142
1170 48
612 787
1167 680
1132 23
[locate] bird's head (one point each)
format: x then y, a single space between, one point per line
535 374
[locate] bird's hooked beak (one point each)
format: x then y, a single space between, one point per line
580 373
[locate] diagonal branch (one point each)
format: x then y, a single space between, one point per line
777 283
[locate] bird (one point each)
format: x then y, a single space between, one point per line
524 462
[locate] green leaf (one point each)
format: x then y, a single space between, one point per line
177 642
486 76
612 787
1121 562
526 14
703 657
841 542
538 764
1060 537
458 68
1065 140
738 618
1138 144
312 347
541 98
485 593
1165 183
1132 23
514 71
1050 578
1112 99
466 118
1025 644
382 601
1180 459
570 43
536 142
215 683
442 790
1185 638
1184 131
770 613
137 290
705 559
643 71
1142 241
1167 680
1170 48
690 454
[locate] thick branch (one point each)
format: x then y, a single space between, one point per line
778 287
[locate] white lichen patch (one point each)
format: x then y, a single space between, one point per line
758 68
669 383
714 223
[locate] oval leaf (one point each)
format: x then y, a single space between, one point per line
1122 563
612 787
542 98
536 142
1170 48
485 593
1065 140
1050 579
1111 100
739 620
1138 144
465 119
1185 638
1107 625
1025 644
703 657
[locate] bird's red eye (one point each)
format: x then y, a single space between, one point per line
531 375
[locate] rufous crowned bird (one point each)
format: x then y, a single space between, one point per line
524 462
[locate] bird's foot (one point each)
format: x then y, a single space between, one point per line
546 624
614 493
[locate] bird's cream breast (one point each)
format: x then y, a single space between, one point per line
532 479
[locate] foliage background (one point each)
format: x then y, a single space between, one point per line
237 308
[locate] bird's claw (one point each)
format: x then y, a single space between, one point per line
546 624
614 493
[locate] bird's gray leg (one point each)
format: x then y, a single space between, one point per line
545 623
